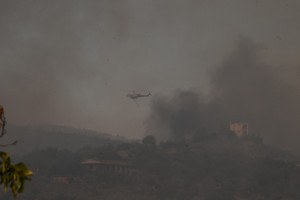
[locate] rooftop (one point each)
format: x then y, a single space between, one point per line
104 162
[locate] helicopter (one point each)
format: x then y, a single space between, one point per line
135 95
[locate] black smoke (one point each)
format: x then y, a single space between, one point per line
185 114
244 89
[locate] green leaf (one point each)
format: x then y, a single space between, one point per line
13 176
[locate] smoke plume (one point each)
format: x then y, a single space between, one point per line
244 89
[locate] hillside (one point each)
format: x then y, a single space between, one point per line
218 167
44 136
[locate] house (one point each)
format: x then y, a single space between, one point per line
240 129
108 166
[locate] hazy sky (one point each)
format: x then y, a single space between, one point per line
72 62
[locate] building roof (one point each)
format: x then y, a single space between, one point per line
104 162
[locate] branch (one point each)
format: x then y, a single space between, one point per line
3 120
7 145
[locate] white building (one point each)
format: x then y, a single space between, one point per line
240 129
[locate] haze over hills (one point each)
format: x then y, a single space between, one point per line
206 63
205 166
61 137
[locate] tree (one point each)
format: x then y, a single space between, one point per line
13 176
149 140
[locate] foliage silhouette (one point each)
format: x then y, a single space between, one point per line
13 176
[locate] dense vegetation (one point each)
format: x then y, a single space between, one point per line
211 167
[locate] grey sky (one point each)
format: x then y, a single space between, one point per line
72 62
